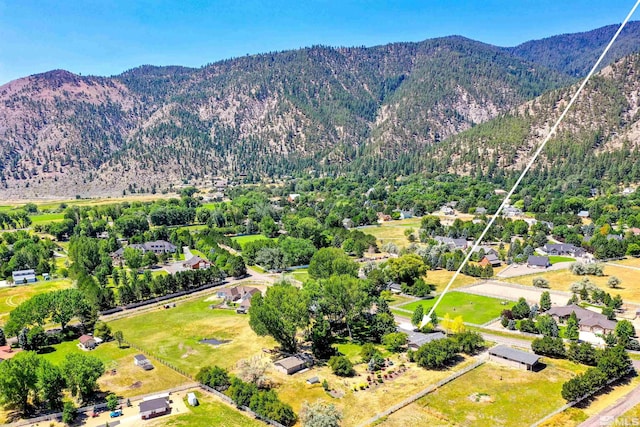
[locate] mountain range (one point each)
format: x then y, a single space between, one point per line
442 105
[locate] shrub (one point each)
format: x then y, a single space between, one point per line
549 346
341 366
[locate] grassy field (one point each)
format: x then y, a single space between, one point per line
441 278
554 259
128 380
44 218
393 231
177 340
358 406
508 395
561 280
12 296
301 275
210 412
473 308
242 240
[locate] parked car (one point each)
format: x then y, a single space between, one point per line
116 413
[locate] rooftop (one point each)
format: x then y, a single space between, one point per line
513 354
154 404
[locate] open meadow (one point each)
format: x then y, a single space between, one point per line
243 240
392 231
562 280
475 309
122 377
12 296
491 395
174 334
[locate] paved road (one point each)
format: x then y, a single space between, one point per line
498 339
187 252
612 414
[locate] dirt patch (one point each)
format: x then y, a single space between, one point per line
189 351
480 398
135 385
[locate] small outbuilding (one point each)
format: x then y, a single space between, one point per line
292 364
192 399
87 342
514 358
142 361
313 380
154 408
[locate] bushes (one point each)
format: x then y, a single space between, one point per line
581 269
341 366
469 342
214 377
583 353
437 354
549 346
613 363
395 341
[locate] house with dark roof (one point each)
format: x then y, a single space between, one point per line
481 211
154 408
293 364
453 244
563 249
417 339
490 259
588 320
538 261
514 358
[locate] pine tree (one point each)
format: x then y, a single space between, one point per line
572 332
418 314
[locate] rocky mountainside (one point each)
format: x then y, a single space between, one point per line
316 109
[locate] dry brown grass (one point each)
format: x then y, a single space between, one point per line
357 407
562 280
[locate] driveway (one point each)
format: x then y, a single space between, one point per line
187 252
131 416
173 267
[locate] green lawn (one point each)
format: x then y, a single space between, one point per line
301 274
12 296
174 335
554 259
243 240
47 217
473 308
210 412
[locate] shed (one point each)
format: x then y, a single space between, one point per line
512 357
192 399
87 342
142 361
154 408
291 365
313 380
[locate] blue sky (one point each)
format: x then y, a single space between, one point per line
109 36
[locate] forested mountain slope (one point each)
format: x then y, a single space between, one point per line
317 109
599 139
575 54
